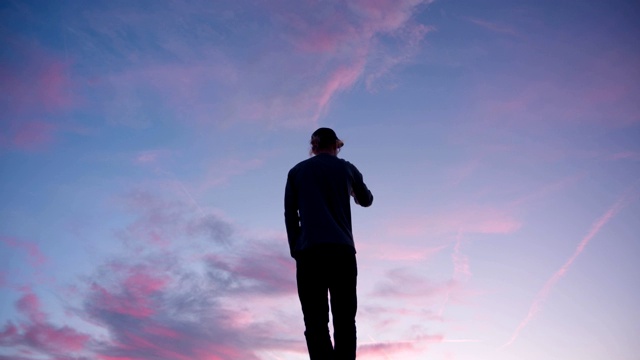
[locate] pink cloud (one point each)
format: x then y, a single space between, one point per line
162 331
341 79
32 135
185 300
37 335
36 88
35 257
29 305
170 311
55 339
153 322
9 334
136 296
38 83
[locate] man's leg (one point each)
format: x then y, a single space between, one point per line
344 305
313 291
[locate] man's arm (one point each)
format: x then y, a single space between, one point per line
361 193
291 216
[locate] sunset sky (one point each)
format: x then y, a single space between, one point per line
144 148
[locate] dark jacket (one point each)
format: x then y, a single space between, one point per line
317 207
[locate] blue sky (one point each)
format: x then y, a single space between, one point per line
144 148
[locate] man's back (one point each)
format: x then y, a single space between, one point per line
318 191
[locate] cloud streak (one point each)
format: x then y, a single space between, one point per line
543 294
206 70
461 270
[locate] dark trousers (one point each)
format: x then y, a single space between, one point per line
321 272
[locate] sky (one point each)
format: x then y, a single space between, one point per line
144 147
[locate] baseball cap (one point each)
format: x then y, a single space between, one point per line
327 136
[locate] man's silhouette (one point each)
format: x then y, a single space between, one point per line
318 220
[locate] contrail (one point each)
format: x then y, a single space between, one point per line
544 292
461 271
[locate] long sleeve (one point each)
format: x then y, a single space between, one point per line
291 215
361 193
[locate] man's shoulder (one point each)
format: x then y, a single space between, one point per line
300 164
298 167
319 160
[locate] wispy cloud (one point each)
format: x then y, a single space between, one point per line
36 89
186 297
34 80
35 256
460 173
179 289
543 294
221 172
193 59
492 26
28 253
167 307
179 314
30 135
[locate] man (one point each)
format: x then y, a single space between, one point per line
318 220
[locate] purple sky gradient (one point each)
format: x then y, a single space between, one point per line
144 147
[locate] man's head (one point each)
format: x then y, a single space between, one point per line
325 140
